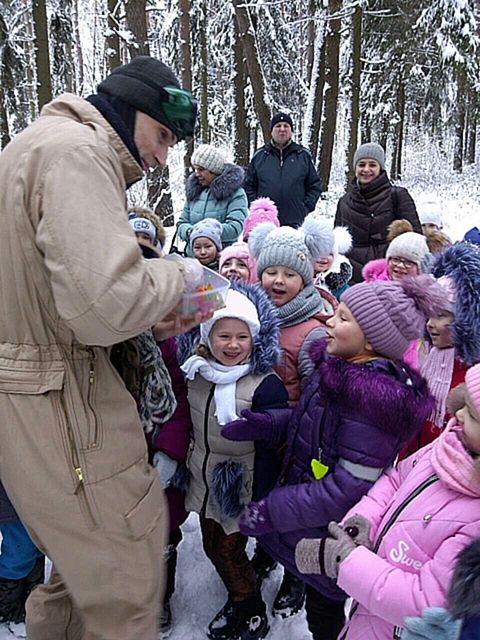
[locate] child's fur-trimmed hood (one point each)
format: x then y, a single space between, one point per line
402 401
464 593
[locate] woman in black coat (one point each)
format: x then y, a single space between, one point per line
370 206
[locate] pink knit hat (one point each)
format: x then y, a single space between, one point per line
392 313
240 250
472 380
261 210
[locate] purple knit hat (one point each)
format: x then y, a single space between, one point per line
391 313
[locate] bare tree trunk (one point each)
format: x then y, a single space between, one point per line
136 19
204 75
331 93
44 84
30 89
159 192
396 172
241 146
186 58
471 133
61 32
113 40
355 91
255 72
459 122
312 9
313 111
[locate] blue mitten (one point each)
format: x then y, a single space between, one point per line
435 624
255 519
165 467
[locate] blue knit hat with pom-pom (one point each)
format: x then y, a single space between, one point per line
292 248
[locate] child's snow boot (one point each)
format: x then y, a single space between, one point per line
262 564
252 620
290 597
224 623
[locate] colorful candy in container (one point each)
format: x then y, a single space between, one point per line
210 296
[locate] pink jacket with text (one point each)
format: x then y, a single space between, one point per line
428 509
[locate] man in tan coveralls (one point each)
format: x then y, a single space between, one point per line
72 283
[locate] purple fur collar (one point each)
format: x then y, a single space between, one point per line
390 394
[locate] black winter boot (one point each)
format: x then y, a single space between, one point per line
290 597
224 623
252 620
12 600
262 564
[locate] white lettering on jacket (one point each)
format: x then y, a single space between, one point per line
400 555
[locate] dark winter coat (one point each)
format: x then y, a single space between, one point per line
354 418
367 210
7 511
464 595
288 177
174 435
224 199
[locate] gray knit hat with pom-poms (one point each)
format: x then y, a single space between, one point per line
293 248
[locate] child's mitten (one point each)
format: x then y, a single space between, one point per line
253 426
435 624
165 467
323 556
255 519
358 528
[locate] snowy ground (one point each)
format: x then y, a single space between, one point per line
200 594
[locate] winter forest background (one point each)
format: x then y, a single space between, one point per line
404 73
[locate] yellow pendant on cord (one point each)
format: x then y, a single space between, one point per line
319 469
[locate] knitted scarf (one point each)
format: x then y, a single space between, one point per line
303 306
225 379
453 464
438 371
157 402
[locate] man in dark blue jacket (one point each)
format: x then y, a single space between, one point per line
283 171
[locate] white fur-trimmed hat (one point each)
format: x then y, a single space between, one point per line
236 306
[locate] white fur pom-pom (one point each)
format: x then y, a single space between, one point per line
257 237
319 236
343 240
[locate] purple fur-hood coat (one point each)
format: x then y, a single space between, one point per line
354 418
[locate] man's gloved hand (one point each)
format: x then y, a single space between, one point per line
435 624
254 426
255 519
324 555
358 528
165 467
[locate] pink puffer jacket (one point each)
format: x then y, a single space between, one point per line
430 506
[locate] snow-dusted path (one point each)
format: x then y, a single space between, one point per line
200 594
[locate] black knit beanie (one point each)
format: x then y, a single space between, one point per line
139 83
281 117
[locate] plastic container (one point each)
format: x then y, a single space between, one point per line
211 299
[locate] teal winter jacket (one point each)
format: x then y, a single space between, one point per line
224 199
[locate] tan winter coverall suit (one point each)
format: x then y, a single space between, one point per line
73 454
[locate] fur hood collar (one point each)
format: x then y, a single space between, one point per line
375 270
222 187
401 401
266 348
461 263
464 594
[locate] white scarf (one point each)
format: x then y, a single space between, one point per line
225 380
